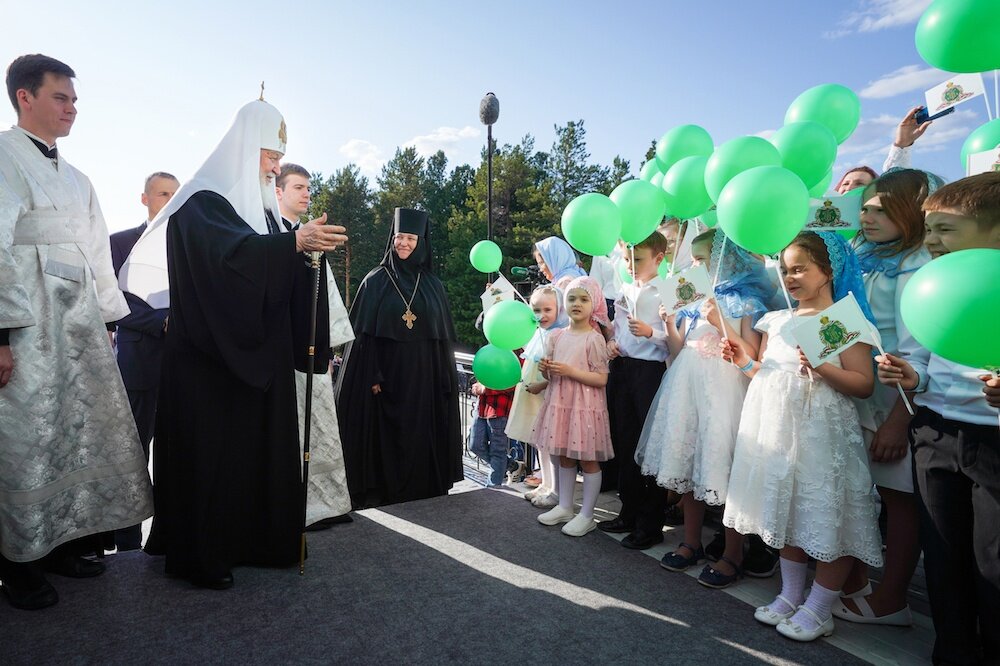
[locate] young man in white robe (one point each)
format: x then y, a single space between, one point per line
328 501
71 465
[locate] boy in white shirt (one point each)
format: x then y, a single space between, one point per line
956 450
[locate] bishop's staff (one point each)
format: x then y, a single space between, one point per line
315 264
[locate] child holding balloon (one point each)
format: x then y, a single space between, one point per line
800 476
954 436
688 438
572 425
890 249
638 354
546 303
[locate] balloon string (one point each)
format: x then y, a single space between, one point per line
878 345
986 101
632 305
996 371
677 249
788 300
715 281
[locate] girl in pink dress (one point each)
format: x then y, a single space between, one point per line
572 425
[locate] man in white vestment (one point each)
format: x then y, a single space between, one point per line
328 501
71 465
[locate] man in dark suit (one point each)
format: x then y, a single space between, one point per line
139 337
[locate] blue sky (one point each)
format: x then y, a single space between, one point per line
159 83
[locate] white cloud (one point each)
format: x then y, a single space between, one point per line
875 15
443 138
903 80
365 154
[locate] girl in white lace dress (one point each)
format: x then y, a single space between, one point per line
688 439
800 475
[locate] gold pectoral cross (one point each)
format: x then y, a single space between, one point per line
409 318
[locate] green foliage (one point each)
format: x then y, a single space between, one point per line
530 190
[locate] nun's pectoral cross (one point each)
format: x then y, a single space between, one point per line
409 318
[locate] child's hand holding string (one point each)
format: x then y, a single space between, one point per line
733 353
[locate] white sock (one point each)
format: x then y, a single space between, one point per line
548 465
793 584
591 489
820 601
567 486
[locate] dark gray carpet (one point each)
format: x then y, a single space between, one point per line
470 578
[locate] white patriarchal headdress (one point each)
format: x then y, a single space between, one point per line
232 171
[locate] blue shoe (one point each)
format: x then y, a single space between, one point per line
712 577
674 561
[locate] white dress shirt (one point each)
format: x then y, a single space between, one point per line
645 301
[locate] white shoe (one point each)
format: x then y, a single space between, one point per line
791 629
767 616
556 515
545 500
860 594
532 494
901 618
579 526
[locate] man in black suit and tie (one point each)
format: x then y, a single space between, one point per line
139 337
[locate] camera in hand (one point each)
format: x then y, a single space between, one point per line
532 273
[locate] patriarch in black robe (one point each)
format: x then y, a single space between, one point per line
397 393
226 460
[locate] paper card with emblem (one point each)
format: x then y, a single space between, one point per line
500 290
841 326
684 289
986 161
957 89
836 213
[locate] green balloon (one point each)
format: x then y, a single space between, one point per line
509 324
736 156
984 137
592 224
960 35
663 269
648 170
762 209
710 217
496 368
684 184
835 107
486 256
657 179
962 324
680 142
848 234
642 206
807 149
820 188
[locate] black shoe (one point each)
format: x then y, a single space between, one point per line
223 582
674 561
717 547
640 540
25 586
760 561
72 566
616 526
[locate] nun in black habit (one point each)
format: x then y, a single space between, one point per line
397 392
